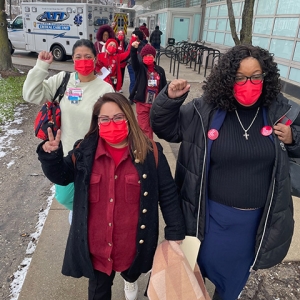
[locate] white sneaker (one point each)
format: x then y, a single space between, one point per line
131 290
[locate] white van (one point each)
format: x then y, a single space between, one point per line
56 26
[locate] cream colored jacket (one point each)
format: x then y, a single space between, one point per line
75 118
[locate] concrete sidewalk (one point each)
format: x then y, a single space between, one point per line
44 280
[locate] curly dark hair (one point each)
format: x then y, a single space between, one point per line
218 88
102 29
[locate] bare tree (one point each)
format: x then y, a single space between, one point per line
247 20
5 57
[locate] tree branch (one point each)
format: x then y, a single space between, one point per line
232 22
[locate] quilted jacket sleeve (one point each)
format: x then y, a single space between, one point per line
169 118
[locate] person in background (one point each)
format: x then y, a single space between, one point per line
104 33
121 179
139 38
112 61
155 39
122 47
233 165
82 92
150 79
143 28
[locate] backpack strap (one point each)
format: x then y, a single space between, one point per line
62 88
155 152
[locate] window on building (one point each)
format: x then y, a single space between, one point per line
286 26
295 74
283 70
282 48
262 42
288 7
266 7
263 25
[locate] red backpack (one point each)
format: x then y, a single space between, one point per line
50 115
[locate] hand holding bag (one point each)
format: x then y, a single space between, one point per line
288 119
172 277
50 115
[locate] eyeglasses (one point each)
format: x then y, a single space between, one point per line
255 79
117 119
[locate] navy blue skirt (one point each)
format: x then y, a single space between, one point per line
228 248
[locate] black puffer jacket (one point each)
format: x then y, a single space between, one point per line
189 125
157 187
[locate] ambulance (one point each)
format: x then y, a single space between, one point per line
120 22
56 27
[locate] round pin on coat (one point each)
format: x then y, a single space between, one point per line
213 134
266 130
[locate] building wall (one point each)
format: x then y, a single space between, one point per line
276 27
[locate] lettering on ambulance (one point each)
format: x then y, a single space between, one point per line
53 16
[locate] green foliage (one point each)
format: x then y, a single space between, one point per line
10 96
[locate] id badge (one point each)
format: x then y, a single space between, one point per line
150 97
74 95
152 82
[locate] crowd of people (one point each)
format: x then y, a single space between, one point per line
232 185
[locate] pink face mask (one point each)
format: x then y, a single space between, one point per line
84 66
248 93
148 60
111 49
114 133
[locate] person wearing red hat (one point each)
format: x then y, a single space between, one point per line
111 60
121 49
150 79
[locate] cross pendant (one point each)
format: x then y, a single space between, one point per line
246 135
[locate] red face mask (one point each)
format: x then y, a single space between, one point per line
114 133
84 66
121 37
248 93
111 49
148 60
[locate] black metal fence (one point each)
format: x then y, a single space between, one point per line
192 55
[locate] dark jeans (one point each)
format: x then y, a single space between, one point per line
131 77
157 47
100 286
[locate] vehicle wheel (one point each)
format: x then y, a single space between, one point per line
11 49
58 53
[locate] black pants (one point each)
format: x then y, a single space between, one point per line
100 286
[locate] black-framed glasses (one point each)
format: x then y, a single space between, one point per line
117 119
255 79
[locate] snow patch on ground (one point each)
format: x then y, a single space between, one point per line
20 274
6 140
8 132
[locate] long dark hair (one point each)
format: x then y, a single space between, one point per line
137 140
218 88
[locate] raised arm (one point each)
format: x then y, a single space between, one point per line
36 88
169 118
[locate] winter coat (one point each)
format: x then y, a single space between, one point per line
157 186
100 44
141 81
155 37
145 31
189 125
